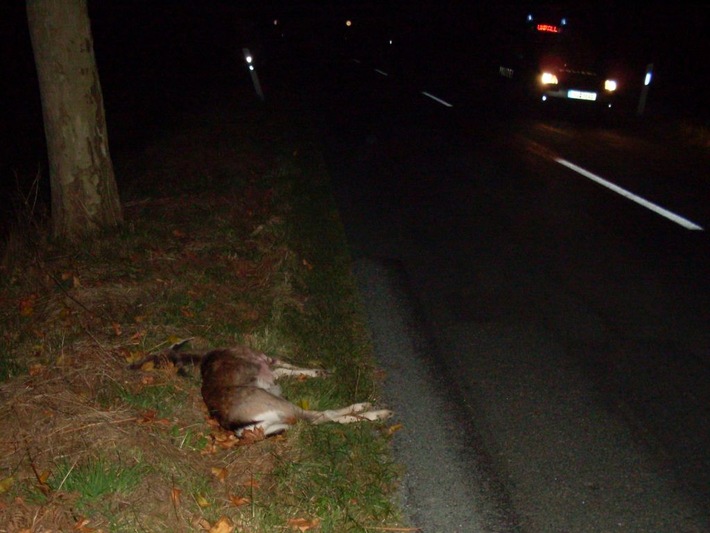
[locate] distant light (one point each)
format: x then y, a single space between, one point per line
348 23
647 79
390 41
276 22
248 59
563 22
547 78
549 28
610 85
530 17
251 67
544 98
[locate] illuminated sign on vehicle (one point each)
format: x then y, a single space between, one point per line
549 28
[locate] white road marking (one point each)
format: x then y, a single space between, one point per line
687 224
381 72
442 102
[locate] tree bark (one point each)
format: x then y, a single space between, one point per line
84 192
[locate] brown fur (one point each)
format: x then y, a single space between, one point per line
240 391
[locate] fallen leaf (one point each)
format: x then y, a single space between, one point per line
209 449
6 483
36 370
82 525
148 366
138 335
175 496
223 525
27 305
116 329
44 476
252 483
393 429
220 473
251 436
303 524
202 501
174 339
238 501
201 523
147 417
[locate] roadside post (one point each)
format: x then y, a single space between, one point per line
254 77
644 90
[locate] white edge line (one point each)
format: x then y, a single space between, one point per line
631 196
442 102
381 72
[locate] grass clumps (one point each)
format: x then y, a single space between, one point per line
254 255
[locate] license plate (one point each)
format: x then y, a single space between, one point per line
581 95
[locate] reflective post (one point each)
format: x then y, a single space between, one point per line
644 90
254 78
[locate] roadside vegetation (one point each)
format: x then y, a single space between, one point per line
231 236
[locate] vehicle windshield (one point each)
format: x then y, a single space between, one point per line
567 45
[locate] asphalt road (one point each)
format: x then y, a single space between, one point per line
545 335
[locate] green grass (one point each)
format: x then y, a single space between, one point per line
165 399
9 367
95 479
257 255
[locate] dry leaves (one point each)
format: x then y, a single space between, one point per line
82 526
149 417
175 497
238 501
391 430
303 524
223 525
27 305
220 473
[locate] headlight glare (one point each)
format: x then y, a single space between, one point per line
547 78
610 85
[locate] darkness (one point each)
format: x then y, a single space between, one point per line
157 56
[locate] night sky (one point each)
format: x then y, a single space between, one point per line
152 51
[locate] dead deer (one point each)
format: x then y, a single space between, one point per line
240 391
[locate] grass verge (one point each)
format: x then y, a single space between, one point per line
231 236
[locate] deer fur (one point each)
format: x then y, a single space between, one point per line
240 390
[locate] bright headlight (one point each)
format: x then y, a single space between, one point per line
610 85
548 78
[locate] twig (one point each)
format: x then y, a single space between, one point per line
71 430
67 475
32 463
173 498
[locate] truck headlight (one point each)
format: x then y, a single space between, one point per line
547 78
610 85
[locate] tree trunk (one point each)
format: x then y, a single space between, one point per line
84 193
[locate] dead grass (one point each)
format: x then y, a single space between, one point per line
243 257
